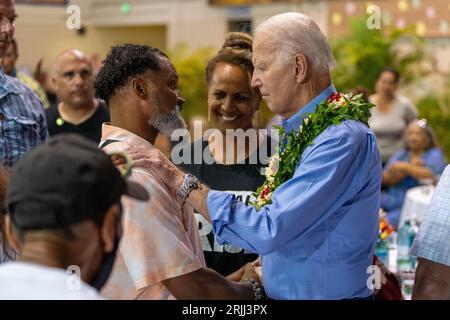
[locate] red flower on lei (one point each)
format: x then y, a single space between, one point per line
335 97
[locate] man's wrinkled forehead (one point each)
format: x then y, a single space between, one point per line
265 45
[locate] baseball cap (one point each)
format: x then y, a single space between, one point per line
64 181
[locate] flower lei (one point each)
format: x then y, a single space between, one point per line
332 111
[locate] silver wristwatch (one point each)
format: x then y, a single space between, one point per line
190 183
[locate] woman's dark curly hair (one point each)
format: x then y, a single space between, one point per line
122 63
236 50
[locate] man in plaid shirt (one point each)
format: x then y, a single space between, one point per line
432 246
22 119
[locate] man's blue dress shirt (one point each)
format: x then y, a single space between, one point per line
22 120
318 236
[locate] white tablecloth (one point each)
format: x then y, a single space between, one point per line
416 203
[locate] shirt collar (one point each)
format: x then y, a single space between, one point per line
5 86
110 132
294 122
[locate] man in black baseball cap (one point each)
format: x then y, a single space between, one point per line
63 217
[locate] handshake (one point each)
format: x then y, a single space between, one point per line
250 274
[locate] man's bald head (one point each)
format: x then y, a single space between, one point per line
68 55
73 79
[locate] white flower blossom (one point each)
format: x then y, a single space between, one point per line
272 169
269 174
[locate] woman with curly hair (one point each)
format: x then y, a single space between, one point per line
232 105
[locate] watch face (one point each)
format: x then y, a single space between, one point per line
192 181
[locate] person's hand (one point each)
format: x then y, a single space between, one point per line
258 267
397 171
384 272
250 277
398 167
250 273
257 262
237 275
417 162
155 161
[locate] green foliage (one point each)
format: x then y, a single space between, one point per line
436 109
191 68
364 53
191 72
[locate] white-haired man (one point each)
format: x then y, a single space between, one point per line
318 234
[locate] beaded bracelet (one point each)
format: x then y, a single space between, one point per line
259 293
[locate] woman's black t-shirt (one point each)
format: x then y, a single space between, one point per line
240 179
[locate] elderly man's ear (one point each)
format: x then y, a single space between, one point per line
302 68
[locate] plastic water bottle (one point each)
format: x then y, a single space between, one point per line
382 251
392 255
405 238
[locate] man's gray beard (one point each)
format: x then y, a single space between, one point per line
168 122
